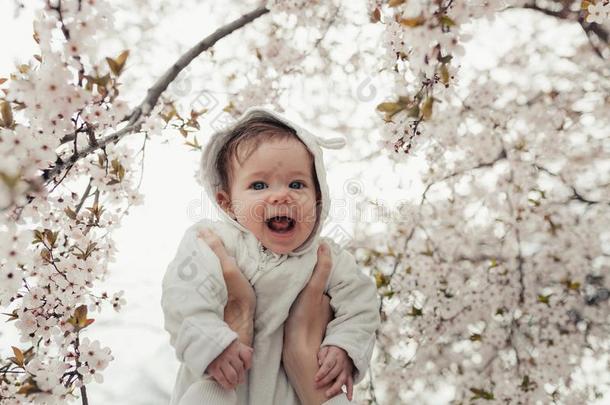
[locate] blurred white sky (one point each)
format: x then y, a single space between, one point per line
144 368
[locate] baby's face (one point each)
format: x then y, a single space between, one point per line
275 181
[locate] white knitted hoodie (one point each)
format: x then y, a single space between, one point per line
194 296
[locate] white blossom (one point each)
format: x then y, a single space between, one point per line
598 12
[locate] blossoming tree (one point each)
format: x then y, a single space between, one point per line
495 272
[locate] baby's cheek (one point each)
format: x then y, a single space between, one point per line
311 213
257 210
308 217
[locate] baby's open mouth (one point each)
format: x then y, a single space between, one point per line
280 224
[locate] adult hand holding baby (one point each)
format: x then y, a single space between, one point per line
304 331
241 301
229 368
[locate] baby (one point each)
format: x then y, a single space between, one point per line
267 177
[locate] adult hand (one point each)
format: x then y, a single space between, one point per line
241 302
304 331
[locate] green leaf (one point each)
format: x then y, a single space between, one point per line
479 393
447 21
79 319
544 299
195 144
117 65
7 114
376 15
413 112
426 109
380 279
12 316
51 236
527 384
444 74
412 22
445 59
390 109
415 311
70 213
571 285
19 357
10 181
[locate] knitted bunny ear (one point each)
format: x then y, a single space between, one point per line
331 143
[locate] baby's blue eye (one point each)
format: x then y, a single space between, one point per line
255 184
298 182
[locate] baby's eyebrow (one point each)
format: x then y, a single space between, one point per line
298 173
256 174
263 173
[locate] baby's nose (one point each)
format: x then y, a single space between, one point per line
281 195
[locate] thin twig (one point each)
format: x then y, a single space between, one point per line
85 196
136 117
143 150
576 16
576 195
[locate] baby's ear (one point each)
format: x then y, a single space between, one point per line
224 200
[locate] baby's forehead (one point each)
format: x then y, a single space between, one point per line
260 166
253 166
245 150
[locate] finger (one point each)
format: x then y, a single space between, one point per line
322 355
238 365
350 387
331 375
244 376
321 272
325 368
246 357
326 311
230 374
220 379
336 387
215 243
230 270
240 377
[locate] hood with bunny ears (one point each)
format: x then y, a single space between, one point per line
210 178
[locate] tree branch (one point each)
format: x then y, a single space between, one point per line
84 197
501 156
576 195
577 16
136 116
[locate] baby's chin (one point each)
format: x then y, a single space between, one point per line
278 251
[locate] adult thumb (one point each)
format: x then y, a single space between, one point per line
321 272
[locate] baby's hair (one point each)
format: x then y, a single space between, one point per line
255 128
